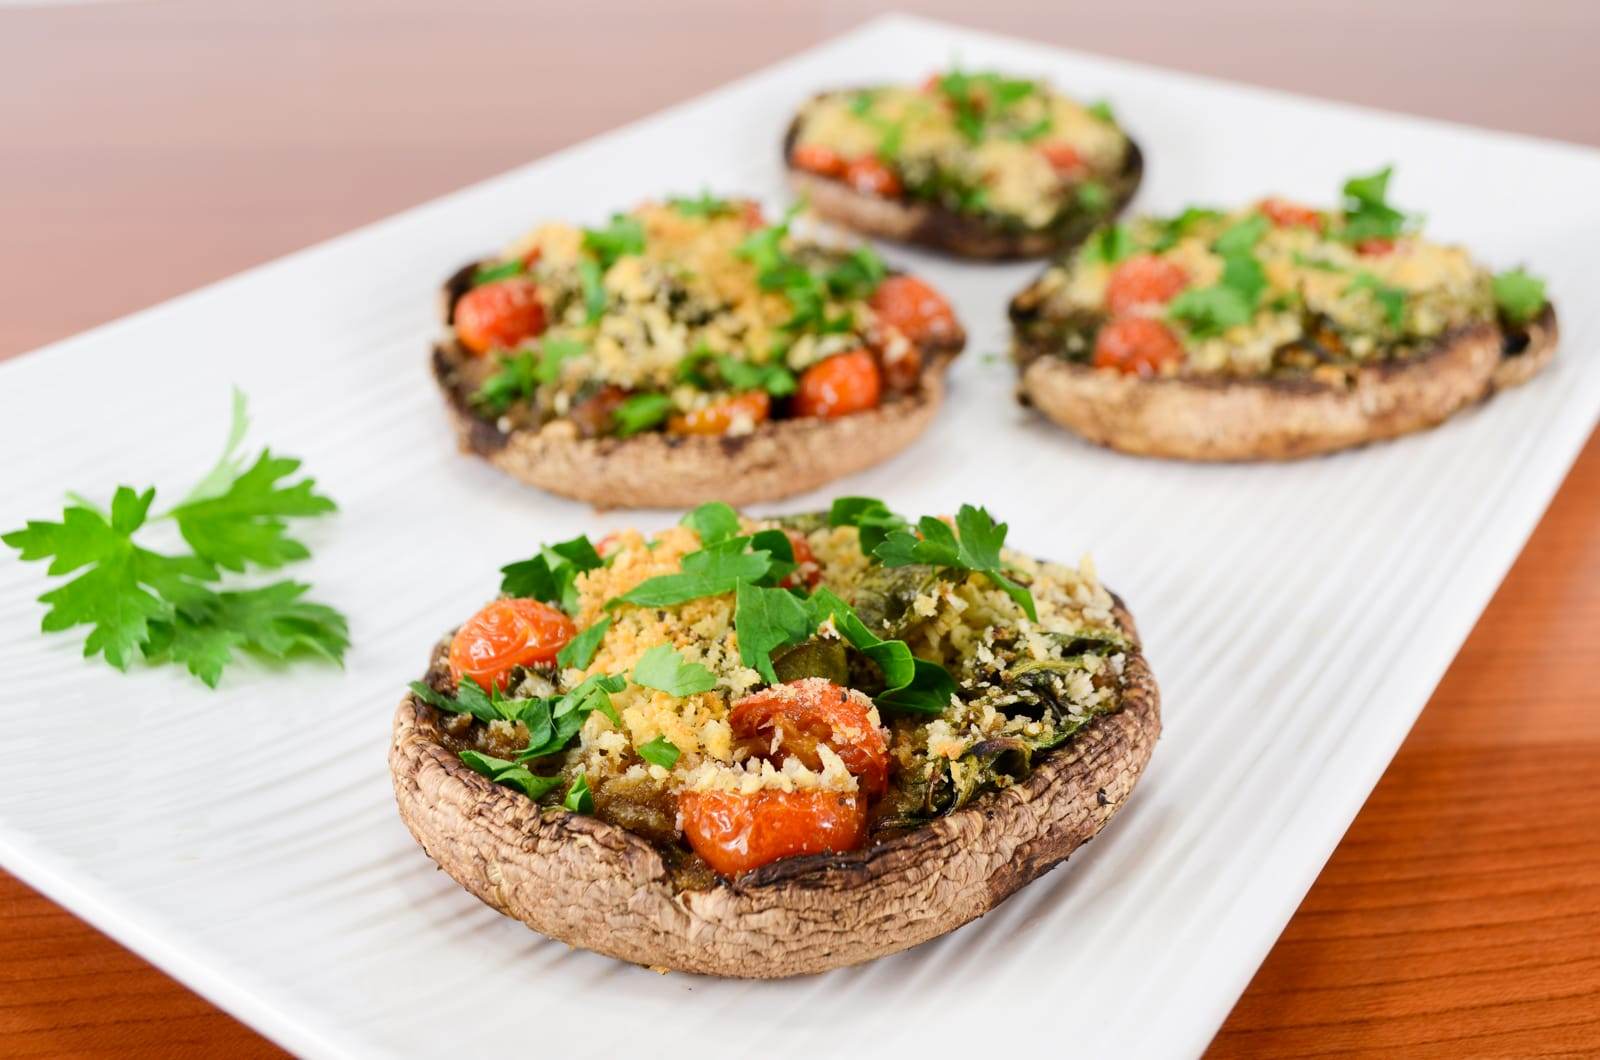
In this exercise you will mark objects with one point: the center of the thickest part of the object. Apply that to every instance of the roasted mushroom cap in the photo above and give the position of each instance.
(932, 225)
(1280, 419)
(593, 884)
(778, 459)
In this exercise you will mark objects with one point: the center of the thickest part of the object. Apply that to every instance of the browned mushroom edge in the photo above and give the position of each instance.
(932, 225)
(1216, 418)
(592, 884)
(654, 469)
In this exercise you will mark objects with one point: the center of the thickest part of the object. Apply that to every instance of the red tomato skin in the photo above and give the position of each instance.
(1063, 158)
(736, 833)
(808, 571)
(843, 384)
(1375, 247)
(913, 308)
(1136, 346)
(1144, 280)
(499, 315)
(506, 634)
(871, 177)
(815, 711)
(720, 416)
(823, 161)
(1286, 214)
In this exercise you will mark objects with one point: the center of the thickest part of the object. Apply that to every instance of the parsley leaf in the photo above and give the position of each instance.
(662, 668)
(591, 277)
(640, 412)
(1102, 109)
(910, 684)
(624, 235)
(974, 545)
(503, 271)
(703, 205)
(515, 380)
(1178, 227)
(1210, 310)
(579, 798)
(244, 523)
(551, 575)
(552, 723)
(1392, 299)
(660, 752)
(871, 517)
(858, 275)
(471, 698)
(1109, 245)
(1367, 213)
(579, 651)
(164, 608)
(767, 619)
(708, 572)
(511, 774)
(1093, 196)
(714, 521)
(806, 292)
(1519, 295)
(272, 622)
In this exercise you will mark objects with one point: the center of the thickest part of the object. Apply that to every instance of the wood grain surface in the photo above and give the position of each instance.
(147, 148)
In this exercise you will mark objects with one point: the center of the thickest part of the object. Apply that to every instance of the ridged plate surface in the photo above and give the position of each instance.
(1297, 617)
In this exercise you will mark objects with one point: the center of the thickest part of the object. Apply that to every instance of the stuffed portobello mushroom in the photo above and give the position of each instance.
(977, 164)
(768, 747)
(689, 350)
(1272, 332)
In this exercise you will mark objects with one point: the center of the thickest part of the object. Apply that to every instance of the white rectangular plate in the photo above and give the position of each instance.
(1297, 617)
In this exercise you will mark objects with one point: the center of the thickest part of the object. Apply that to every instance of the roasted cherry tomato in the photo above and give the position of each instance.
(793, 718)
(1375, 247)
(1063, 158)
(736, 833)
(607, 544)
(814, 158)
(507, 634)
(498, 315)
(871, 177)
(720, 416)
(915, 310)
(1286, 214)
(842, 384)
(808, 571)
(1144, 280)
(1136, 345)
(750, 213)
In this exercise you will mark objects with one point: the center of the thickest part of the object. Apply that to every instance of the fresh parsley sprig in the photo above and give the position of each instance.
(551, 575)
(168, 608)
(1367, 212)
(1518, 295)
(974, 544)
(1232, 300)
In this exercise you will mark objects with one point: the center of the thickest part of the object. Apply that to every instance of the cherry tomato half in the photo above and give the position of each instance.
(1144, 280)
(1286, 214)
(797, 716)
(914, 309)
(842, 384)
(719, 417)
(1375, 247)
(814, 158)
(507, 634)
(1063, 158)
(808, 571)
(871, 177)
(736, 833)
(499, 315)
(1136, 345)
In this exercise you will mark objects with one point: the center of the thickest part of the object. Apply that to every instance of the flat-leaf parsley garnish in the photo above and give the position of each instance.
(164, 607)
(974, 544)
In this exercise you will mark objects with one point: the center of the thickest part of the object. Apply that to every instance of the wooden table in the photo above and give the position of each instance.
(149, 148)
